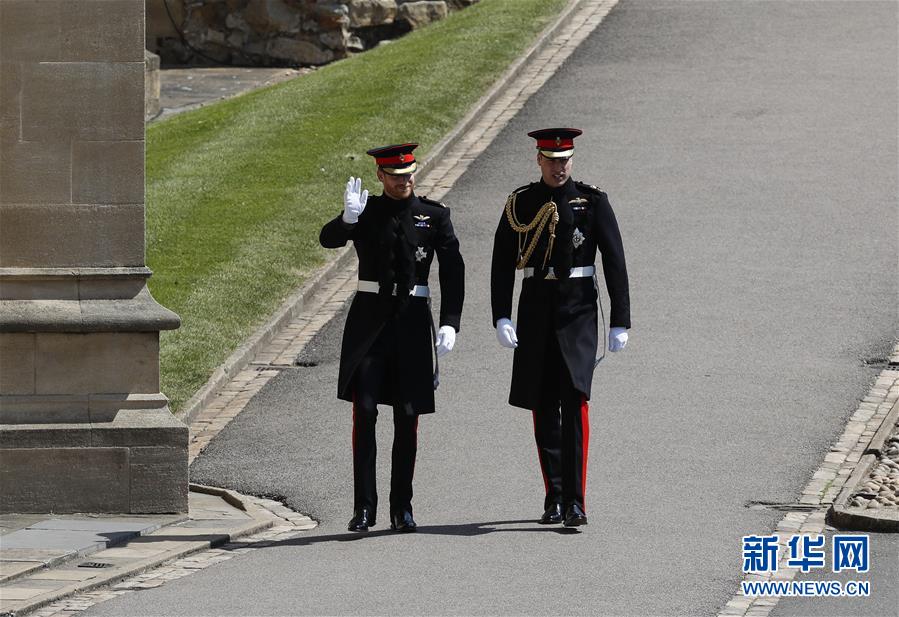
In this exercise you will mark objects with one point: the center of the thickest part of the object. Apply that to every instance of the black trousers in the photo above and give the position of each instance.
(377, 368)
(562, 433)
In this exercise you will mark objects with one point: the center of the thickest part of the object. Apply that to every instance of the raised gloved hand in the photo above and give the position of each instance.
(353, 200)
(446, 338)
(505, 333)
(617, 338)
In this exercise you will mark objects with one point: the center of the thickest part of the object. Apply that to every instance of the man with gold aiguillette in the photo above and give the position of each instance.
(551, 230)
(389, 337)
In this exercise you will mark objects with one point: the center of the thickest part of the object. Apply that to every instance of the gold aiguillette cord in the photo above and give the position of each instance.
(549, 212)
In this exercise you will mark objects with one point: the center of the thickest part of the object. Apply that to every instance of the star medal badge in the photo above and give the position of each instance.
(577, 238)
(420, 253)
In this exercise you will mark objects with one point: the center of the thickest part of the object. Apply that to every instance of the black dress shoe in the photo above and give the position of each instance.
(362, 520)
(574, 516)
(552, 515)
(402, 521)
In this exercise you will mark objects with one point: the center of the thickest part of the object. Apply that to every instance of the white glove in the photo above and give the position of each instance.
(505, 333)
(353, 201)
(617, 338)
(446, 338)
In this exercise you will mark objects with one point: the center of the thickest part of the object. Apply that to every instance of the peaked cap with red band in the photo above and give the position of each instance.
(555, 143)
(397, 159)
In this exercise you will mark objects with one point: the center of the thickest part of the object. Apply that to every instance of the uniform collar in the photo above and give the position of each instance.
(398, 205)
(558, 193)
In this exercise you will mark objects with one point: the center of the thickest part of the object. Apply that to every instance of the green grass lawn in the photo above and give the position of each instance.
(237, 191)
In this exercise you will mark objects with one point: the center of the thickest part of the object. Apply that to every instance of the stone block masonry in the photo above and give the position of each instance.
(83, 425)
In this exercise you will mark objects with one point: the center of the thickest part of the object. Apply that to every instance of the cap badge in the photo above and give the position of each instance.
(558, 141)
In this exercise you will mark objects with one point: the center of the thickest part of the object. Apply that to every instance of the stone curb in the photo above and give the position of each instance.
(294, 305)
(853, 518)
(230, 497)
(262, 520)
(884, 432)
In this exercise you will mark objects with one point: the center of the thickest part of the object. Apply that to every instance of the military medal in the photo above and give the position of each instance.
(577, 238)
(420, 253)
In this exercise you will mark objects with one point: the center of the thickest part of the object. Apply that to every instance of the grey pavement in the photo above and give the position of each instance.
(884, 585)
(749, 150)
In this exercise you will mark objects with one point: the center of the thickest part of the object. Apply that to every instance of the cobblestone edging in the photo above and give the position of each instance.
(841, 468)
(277, 344)
(290, 525)
(870, 499)
(881, 490)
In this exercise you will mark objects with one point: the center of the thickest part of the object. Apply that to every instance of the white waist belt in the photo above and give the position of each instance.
(419, 291)
(578, 272)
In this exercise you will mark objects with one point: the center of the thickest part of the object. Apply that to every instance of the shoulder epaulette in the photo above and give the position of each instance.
(432, 202)
(521, 188)
(588, 188)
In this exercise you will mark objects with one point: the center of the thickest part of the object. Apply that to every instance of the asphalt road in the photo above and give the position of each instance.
(749, 149)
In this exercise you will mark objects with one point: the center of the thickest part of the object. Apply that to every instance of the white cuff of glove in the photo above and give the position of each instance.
(505, 333)
(446, 338)
(617, 338)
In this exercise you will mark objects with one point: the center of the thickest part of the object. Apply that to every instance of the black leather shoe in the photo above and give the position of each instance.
(362, 520)
(574, 516)
(402, 521)
(552, 515)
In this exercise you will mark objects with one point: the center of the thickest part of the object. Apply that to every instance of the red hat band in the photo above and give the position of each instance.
(400, 159)
(564, 143)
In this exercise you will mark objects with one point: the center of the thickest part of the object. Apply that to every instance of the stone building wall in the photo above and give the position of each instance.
(281, 32)
(83, 424)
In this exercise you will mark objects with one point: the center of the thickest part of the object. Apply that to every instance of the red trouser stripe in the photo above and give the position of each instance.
(540, 458)
(416, 447)
(585, 432)
(354, 432)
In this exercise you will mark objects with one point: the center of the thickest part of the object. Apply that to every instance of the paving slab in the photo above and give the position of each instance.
(13, 569)
(73, 541)
(105, 526)
(39, 555)
(56, 557)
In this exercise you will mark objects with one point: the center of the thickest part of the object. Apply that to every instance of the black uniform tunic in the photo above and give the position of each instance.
(421, 228)
(566, 308)
(557, 322)
(386, 354)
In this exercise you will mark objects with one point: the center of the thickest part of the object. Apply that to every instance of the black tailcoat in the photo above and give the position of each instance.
(565, 308)
(428, 230)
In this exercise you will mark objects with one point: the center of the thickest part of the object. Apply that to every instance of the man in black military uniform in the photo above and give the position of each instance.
(551, 230)
(386, 355)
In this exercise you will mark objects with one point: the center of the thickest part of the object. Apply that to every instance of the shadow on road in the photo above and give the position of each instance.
(467, 529)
